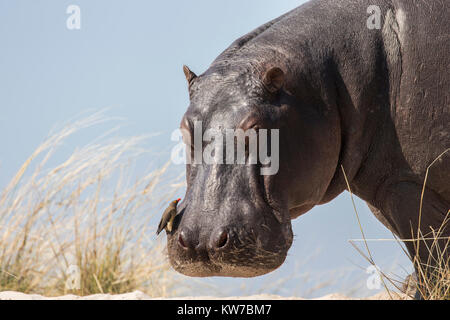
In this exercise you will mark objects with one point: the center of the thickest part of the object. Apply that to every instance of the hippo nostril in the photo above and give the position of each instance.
(181, 241)
(222, 241)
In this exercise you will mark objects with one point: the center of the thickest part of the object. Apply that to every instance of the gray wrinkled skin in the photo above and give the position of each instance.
(374, 101)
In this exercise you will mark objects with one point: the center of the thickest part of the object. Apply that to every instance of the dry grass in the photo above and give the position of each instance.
(84, 215)
(432, 278)
(433, 275)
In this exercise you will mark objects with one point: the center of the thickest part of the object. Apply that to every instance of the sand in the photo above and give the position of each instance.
(138, 295)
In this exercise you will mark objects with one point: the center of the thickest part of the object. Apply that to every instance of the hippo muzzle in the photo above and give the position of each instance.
(222, 231)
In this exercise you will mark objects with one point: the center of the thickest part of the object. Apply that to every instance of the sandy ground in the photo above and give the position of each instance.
(138, 295)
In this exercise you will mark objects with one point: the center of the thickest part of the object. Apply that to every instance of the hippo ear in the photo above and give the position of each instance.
(274, 79)
(189, 74)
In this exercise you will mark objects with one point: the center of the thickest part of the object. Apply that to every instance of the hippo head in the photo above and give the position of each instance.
(235, 217)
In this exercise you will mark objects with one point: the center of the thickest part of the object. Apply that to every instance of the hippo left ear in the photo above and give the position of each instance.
(273, 79)
(189, 74)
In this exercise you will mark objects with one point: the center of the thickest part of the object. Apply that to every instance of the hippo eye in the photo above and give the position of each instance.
(187, 140)
(186, 134)
(250, 124)
(186, 131)
(187, 137)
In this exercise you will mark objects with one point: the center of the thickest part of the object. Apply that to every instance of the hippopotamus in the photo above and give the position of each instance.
(369, 105)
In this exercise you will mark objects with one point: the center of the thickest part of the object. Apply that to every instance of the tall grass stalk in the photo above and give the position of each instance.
(85, 214)
(432, 279)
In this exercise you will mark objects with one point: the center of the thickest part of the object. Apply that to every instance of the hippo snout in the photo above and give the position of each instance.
(218, 241)
(212, 248)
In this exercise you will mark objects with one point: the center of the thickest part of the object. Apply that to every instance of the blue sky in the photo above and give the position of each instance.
(128, 56)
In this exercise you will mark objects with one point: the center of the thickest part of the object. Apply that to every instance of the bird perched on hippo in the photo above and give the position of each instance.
(372, 101)
(168, 217)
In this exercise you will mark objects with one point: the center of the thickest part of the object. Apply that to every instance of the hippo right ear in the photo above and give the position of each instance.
(189, 75)
(273, 79)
